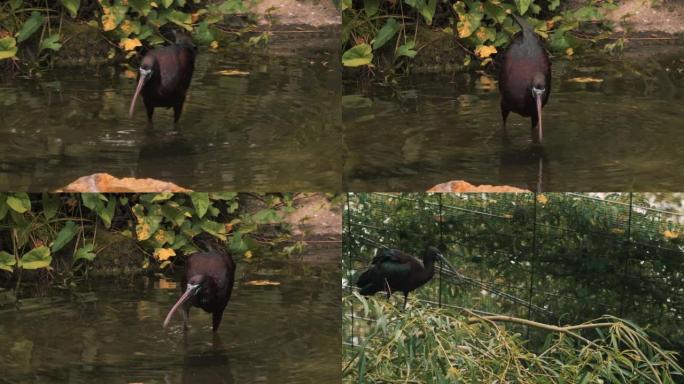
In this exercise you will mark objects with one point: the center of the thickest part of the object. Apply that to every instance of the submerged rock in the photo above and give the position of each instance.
(463, 186)
(104, 182)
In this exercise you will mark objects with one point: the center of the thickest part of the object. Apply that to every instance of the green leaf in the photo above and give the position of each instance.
(236, 243)
(7, 261)
(201, 203)
(71, 6)
(85, 252)
(371, 7)
(553, 4)
(64, 236)
(166, 3)
(213, 228)
(386, 33)
(161, 196)
(495, 11)
(30, 26)
(107, 214)
(142, 6)
(19, 202)
(407, 49)
(51, 43)
(203, 33)
(173, 213)
(468, 23)
(346, 4)
(15, 4)
(93, 201)
(181, 19)
(522, 5)
(223, 195)
(50, 205)
(8, 47)
(3, 206)
(36, 258)
(361, 54)
(427, 10)
(265, 216)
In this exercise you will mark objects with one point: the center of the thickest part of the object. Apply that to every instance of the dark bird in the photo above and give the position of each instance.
(525, 76)
(207, 284)
(164, 77)
(393, 270)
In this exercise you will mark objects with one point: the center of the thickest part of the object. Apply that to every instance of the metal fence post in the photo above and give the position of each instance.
(349, 266)
(441, 243)
(533, 261)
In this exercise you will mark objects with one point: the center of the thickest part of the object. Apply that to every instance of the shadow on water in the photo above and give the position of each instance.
(275, 126)
(111, 332)
(621, 132)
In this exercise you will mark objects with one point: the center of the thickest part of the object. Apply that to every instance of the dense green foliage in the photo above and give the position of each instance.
(481, 27)
(35, 230)
(572, 257)
(127, 24)
(425, 344)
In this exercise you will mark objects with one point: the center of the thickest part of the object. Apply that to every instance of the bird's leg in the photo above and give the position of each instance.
(150, 112)
(186, 315)
(405, 299)
(177, 109)
(389, 290)
(535, 128)
(504, 115)
(216, 320)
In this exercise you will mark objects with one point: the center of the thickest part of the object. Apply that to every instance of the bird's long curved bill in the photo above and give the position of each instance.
(448, 264)
(538, 99)
(141, 83)
(189, 291)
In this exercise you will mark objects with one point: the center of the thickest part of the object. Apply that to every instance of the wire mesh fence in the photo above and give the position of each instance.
(556, 257)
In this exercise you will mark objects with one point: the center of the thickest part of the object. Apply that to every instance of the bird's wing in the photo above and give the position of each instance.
(392, 262)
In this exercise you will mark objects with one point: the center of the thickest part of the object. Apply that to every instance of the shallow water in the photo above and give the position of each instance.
(273, 129)
(112, 332)
(623, 133)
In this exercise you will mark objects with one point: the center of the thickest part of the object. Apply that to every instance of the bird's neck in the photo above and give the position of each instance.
(428, 268)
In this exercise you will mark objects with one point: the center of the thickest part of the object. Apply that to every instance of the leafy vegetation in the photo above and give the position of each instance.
(551, 258)
(37, 26)
(425, 344)
(62, 232)
(373, 28)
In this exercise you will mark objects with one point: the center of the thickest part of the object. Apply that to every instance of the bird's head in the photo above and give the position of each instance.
(192, 289)
(148, 68)
(539, 88)
(433, 253)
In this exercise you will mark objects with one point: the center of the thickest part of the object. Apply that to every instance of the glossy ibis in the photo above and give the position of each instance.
(207, 284)
(525, 76)
(164, 77)
(394, 270)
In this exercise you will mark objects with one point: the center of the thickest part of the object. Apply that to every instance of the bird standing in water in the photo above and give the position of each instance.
(164, 77)
(207, 284)
(525, 77)
(393, 270)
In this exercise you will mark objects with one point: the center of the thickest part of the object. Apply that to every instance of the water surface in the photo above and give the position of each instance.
(111, 332)
(271, 129)
(622, 133)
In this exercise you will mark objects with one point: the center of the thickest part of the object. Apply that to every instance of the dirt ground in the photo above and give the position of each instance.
(316, 218)
(317, 13)
(666, 16)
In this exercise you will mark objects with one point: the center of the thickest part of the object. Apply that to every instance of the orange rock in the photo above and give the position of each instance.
(463, 186)
(104, 182)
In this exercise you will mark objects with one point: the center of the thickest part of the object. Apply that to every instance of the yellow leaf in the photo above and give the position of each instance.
(229, 227)
(671, 234)
(569, 51)
(160, 236)
(232, 72)
(262, 282)
(484, 51)
(108, 22)
(585, 80)
(162, 254)
(143, 231)
(618, 231)
(214, 44)
(248, 254)
(541, 199)
(126, 27)
(129, 44)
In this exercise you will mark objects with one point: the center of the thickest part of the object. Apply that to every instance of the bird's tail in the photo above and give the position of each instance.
(524, 25)
(367, 283)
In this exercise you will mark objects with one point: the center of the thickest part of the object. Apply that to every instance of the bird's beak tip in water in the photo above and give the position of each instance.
(144, 76)
(538, 99)
(190, 291)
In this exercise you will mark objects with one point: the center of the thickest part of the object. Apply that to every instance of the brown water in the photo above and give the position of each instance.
(623, 133)
(273, 129)
(111, 332)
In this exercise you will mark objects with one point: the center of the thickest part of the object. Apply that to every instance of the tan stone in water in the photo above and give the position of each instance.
(104, 182)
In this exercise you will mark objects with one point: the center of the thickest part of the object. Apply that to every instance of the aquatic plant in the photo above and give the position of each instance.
(373, 28)
(36, 230)
(426, 344)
